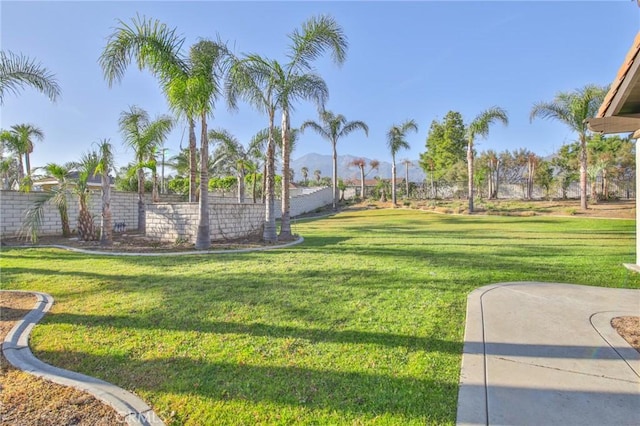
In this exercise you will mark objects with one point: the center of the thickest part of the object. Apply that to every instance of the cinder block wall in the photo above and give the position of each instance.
(172, 222)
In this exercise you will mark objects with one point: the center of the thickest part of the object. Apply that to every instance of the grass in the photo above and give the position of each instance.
(362, 324)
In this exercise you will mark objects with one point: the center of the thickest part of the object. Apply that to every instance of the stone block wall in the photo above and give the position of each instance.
(179, 221)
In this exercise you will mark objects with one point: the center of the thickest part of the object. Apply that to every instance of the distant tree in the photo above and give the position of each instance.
(445, 145)
(396, 140)
(18, 71)
(480, 127)
(544, 176)
(19, 140)
(332, 128)
(305, 173)
(567, 164)
(317, 173)
(573, 109)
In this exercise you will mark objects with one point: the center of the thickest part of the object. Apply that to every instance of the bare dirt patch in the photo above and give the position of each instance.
(629, 329)
(29, 400)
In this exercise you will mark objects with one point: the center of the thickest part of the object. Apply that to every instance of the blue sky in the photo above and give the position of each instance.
(405, 60)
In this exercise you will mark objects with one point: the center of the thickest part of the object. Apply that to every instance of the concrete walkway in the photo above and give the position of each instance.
(546, 354)
(16, 349)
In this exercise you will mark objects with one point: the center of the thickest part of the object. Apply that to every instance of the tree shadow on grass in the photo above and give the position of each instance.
(364, 394)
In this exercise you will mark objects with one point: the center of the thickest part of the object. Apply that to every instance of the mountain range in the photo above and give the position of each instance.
(347, 171)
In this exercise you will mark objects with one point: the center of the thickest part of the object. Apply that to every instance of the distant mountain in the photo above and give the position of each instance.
(346, 171)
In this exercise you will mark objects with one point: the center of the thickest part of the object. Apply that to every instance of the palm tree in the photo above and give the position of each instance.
(19, 139)
(360, 163)
(304, 171)
(317, 173)
(105, 164)
(480, 127)
(395, 142)
(233, 156)
(58, 196)
(27, 134)
(143, 135)
(18, 71)
(573, 109)
(332, 128)
(86, 168)
(191, 86)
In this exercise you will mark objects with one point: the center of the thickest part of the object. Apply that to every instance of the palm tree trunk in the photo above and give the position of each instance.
(203, 238)
(27, 163)
(497, 188)
(334, 176)
(86, 228)
(106, 227)
(285, 220)
(253, 189)
(470, 171)
(193, 164)
(263, 196)
(406, 178)
(154, 191)
(362, 195)
(64, 218)
(583, 172)
(241, 185)
(269, 234)
(142, 223)
(393, 181)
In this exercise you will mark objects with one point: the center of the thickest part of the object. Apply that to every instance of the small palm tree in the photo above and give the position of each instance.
(396, 140)
(480, 127)
(18, 71)
(86, 168)
(57, 196)
(333, 127)
(233, 155)
(304, 171)
(317, 174)
(573, 109)
(144, 136)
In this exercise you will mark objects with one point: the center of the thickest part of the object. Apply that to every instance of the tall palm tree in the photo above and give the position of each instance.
(316, 36)
(252, 79)
(317, 174)
(18, 71)
(105, 164)
(268, 85)
(480, 127)
(191, 86)
(573, 109)
(143, 135)
(333, 127)
(305, 173)
(396, 140)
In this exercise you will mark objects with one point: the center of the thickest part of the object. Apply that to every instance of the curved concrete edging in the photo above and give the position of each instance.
(175, 253)
(16, 350)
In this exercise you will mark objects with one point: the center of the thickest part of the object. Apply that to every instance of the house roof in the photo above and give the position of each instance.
(620, 110)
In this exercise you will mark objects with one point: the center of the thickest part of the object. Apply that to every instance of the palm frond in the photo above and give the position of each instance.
(18, 71)
(317, 35)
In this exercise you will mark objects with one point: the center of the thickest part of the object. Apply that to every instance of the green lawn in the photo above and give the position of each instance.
(361, 324)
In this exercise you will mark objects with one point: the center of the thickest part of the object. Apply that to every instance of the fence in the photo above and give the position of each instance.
(615, 188)
(124, 208)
